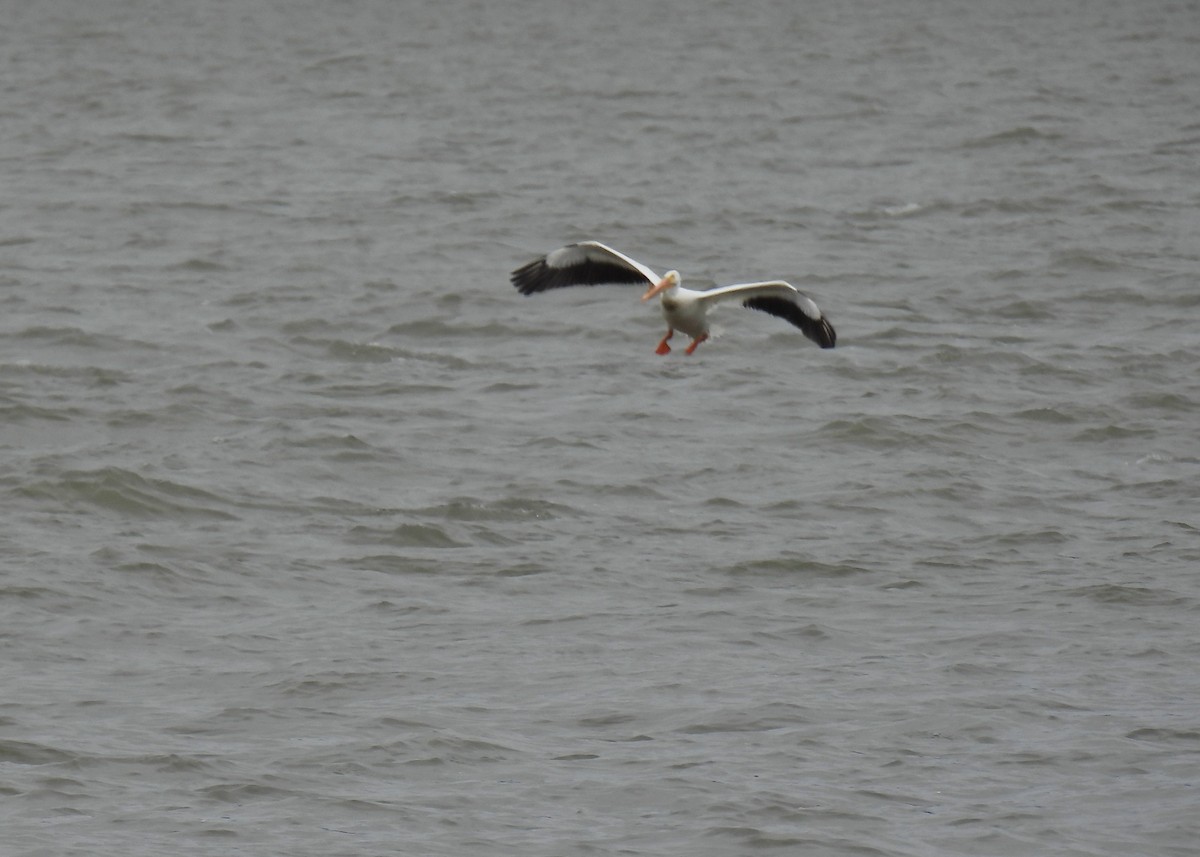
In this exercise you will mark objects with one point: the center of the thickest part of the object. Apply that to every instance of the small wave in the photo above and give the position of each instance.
(759, 718)
(523, 569)
(348, 351)
(1021, 538)
(1020, 135)
(905, 210)
(462, 749)
(205, 266)
(74, 336)
(793, 565)
(1045, 415)
(337, 446)
(145, 137)
(1027, 310)
(877, 433)
(1138, 596)
(1111, 432)
(438, 329)
(29, 753)
(19, 413)
(241, 793)
(406, 535)
(395, 564)
(1161, 400)
(1186, 737)
(122, 491)
(1080, 259)
(506, 509)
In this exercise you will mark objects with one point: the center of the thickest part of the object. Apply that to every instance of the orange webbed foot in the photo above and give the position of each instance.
(701, 338)
(663, 348)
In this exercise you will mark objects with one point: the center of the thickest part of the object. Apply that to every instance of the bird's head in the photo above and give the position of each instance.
(668, 282)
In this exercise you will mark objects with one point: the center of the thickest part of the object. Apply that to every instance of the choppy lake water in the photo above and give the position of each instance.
(318, 539)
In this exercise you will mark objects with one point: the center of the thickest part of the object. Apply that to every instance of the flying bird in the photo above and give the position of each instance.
(590, 263)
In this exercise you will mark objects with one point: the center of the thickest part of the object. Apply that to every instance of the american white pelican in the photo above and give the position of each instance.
(591, 263)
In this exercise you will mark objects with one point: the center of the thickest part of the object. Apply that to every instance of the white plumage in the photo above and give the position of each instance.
(590, 263)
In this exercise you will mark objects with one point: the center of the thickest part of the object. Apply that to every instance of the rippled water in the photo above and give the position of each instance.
(320, 540)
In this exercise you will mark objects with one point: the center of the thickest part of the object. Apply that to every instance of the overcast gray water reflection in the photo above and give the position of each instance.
(318, 539)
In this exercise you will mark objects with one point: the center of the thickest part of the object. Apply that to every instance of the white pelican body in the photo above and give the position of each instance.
(591, 263)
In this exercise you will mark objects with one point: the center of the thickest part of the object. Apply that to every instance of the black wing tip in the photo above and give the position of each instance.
(532, 278)
(819, 330)
(826, 336)
(540, 276)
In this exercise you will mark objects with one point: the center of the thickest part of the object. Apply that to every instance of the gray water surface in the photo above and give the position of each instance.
(319, 539)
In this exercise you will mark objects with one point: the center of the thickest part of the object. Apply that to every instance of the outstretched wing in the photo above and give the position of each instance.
(588, 263)
(783, 300)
